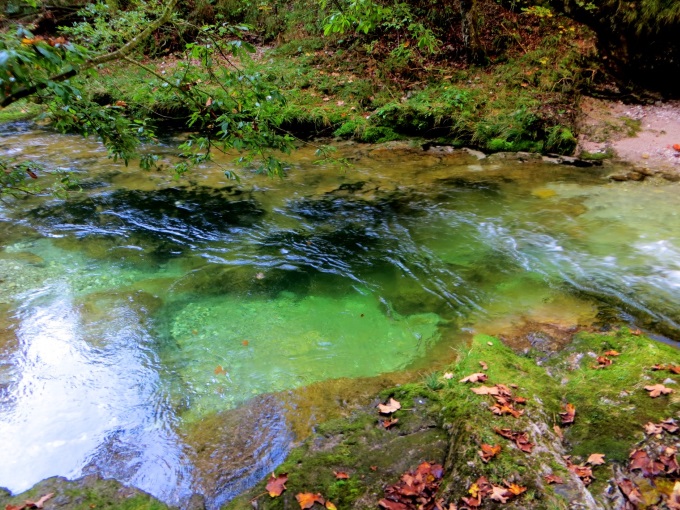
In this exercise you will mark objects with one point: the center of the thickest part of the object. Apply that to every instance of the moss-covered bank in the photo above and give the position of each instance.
(442, 420)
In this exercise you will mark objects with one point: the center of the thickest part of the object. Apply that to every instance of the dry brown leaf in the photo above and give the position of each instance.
(488, 452)
(341, 475)
(276, 484)
(390, 407)
(485, 390)
(568, 414)
(657, 390)
(630, 491)
(611, 353)
(653, 429)
(483, 365)
(389, 423)
(596, 459)
(499, 494)
(553, 479)
(477, 377)
(307, 499)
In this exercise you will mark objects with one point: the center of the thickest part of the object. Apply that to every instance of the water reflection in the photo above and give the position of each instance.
(86, 390)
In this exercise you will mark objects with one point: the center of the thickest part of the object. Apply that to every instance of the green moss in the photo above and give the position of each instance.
(379, 135)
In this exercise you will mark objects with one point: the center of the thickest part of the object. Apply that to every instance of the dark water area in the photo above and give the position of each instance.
(151, 326)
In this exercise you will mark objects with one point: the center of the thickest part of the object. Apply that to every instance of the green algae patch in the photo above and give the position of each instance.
(231, 348)
(85, 494)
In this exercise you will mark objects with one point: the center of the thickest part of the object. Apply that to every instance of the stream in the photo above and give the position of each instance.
(181, 335)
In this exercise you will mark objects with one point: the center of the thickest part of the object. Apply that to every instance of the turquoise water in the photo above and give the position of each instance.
(143, 309)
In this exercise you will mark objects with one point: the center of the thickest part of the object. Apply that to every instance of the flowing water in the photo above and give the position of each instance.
(170, 333)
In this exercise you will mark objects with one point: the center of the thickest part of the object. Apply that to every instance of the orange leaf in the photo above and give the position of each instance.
(219, 369)
(676, 146)
(486, 390)
(488, 452)
(388, 423)
(568, 414)
(596, 459)
(611, 353)
(391, 406)
(657, 390)
(307, 499)
(341, 475)
(331, 506)
(245, 343)
(478, 377)
(277, 484)
(552, 479)
(516, 489)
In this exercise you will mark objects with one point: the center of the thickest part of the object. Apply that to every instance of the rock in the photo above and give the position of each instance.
(85, 493)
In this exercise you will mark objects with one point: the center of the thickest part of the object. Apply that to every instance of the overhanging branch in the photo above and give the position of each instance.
(101, 59)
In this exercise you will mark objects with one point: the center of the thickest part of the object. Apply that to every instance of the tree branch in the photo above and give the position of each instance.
(101, 59)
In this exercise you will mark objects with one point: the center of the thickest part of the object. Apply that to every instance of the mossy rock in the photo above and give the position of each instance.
(85, 494)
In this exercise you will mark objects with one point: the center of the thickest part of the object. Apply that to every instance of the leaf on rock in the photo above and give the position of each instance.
(276, 484)
(568, 414)
(652, 429)
(414, 489)
(488, 452)
(341, 475)
(657, 390)
(390, 407)
(596, 459)
(485, 390)
(307, 499)
(583, 472)
(473, 378)
(630, 491)
(521, 439)
(553, 479)
(515, 489)
(389, 423)
(499, 494)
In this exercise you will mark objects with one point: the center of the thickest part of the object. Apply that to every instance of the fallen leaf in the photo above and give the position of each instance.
(374, 468)
(596, 459)
(657, 390)
(639, 460)
(674, 498)
(612, 353)
(389, 423)
(568, 414)
(515, 489)
(501, 410)
(390, 407)
(331, 506)
(448, 375)
(603, 361)
(630, 491)
(341, 475)
(392, 505)
(245, 343)
(674, 368)
(276, 484)
(307, 499)
(40, 502)
(488, 452)
(477, 377)
(472, 502)
(340, 103)
(669, 426)
(521, 439)
(553, 479)
(653, 429)
(220, 370)
(485, 390)
(676, 146)
(499, 494)
(483, 365)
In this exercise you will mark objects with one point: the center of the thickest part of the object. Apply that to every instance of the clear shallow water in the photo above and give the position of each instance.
(144, 317)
